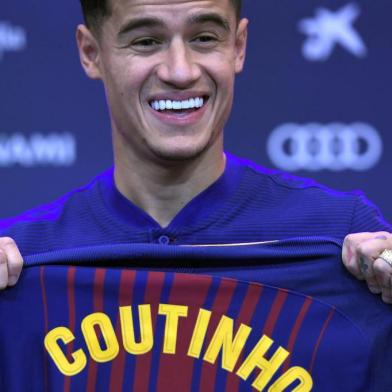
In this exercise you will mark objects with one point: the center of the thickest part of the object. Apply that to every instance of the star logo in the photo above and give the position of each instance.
(328, 29)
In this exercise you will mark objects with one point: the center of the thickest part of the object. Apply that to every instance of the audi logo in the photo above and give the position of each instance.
(318, 147)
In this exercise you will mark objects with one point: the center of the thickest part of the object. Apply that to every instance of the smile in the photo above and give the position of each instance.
(178, 106)
(180, 112)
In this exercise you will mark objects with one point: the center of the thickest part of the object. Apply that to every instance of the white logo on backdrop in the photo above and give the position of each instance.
(37, 150)
(327, 29)
(316, 147)
(12, 38)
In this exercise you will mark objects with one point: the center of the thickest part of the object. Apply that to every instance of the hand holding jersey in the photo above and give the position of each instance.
(11, 262)
(361, 256)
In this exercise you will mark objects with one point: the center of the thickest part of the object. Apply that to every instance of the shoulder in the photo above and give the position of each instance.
(38, 228)
(303, 198)
(287, 182)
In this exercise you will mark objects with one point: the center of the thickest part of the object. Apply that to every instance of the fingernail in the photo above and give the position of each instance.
(381, 237)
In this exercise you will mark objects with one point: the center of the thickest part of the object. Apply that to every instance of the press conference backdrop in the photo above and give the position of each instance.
(314, 99)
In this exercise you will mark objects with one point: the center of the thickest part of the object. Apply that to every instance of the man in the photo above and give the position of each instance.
(152, 63)
(168, 69)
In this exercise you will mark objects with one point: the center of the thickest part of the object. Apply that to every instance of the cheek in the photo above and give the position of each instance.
(127, 78)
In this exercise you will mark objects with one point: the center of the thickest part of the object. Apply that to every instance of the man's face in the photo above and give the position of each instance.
(168, 68)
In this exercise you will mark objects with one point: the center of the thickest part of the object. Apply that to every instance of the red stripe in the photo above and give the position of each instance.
(46, 323)
(175, 371)
(247, 311)
(71, 317)
(221, 305)
(294, 332)
(323, 329)
(143, 362)
(98, 307)
(274, 313)
(125, 299)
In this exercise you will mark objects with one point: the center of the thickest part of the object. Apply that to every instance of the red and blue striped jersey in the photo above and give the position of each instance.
(238, 317)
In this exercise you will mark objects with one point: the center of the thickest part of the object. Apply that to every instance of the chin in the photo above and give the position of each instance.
(179, 154)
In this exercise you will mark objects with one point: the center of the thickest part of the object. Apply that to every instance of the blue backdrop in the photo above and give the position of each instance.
(314, 98)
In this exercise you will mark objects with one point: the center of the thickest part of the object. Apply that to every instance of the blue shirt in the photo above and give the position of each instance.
(246, 204)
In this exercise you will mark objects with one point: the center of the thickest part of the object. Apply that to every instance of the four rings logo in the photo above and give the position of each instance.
(316, 147)
(12, 38)
(37, 150)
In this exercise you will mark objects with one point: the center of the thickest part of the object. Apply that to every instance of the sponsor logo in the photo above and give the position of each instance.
(318, 147)
(328, 29)
(37, 150)
(12, 38)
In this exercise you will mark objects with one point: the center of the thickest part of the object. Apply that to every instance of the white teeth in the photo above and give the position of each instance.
(177, 105)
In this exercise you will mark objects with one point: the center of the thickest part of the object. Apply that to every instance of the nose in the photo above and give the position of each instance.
(178, 67)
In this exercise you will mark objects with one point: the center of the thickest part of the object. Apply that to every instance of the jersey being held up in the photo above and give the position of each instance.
(238, 317)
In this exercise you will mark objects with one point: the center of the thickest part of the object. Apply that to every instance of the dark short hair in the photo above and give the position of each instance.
(95, 11)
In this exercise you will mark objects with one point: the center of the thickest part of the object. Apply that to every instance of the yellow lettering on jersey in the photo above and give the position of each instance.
(293, 374)
(59, 358)
(102, 321)
(199, 333)
(128, 331)
(223, 340)
(172, 313)
(256, 360)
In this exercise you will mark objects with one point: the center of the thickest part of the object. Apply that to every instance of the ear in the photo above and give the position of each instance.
(89, 51)
(240, 44)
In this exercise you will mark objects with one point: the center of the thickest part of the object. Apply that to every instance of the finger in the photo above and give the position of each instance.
(366, 266)
(367, 253)
(14, 259)
(383, 272)
(3, 270)
(350, 255)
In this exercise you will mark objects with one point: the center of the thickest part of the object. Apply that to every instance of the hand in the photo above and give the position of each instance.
(360, 255)
(11, 262)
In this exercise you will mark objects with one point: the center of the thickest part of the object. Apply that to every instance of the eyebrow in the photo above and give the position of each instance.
(210, 18)
(151, 22)
(140, 23)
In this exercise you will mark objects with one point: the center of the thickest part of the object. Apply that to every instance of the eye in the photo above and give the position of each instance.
(145, 43)
(205, 39)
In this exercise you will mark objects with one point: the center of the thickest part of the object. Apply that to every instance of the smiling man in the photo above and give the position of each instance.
(168, 68)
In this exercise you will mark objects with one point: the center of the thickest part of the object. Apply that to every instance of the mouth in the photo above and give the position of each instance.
(179, 108)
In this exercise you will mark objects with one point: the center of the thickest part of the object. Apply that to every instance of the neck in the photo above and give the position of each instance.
(163, 190)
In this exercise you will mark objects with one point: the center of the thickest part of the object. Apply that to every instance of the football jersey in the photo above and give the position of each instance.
(272, 316)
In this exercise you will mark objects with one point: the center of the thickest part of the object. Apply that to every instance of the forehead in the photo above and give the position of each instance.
(126, 8)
